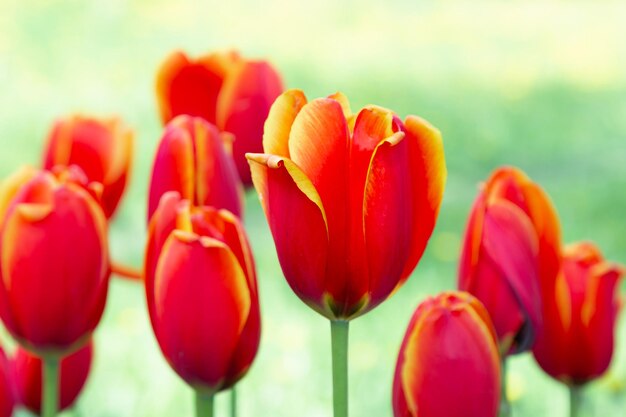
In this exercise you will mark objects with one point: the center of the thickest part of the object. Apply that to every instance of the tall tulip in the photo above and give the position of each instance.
(7, 397)
(351, 200)
(224, 88)
(448, 365)
(193, 159)
(54, 266)
(27, 370)
(577, 340)
(202, 295)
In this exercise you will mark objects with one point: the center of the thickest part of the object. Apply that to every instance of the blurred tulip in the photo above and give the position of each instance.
(102, 148)
(202, 293)
(351, 199)
(192, 159)
(28, 370)
(229, 91)
(7, 396)
(576, 343)
(448, 364)
(54, 261)
(511, 255)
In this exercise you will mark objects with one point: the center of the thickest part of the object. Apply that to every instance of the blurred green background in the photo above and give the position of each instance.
(537, 84)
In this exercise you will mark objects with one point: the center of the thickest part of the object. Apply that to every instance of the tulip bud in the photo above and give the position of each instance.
(54, 261)
(7, 396)
(193, 160)
(351, 200)
(227, 90)
(448, 364)
(102, 148)
(577, 340)
(202, 293)
(511, 255)
(28, 371)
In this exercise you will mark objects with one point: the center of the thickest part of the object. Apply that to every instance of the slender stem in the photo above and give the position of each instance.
(339, 342)
(204, 404)
(233, 402)
(505, 406)
(50, 394)
(574, 400)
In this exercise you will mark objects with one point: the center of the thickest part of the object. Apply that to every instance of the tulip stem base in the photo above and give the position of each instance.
(233, 402)
(204, 404)
(50, 391)
(339, 342)
(574, 400)
(505, 405)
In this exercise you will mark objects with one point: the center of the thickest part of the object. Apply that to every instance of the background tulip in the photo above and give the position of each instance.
(102, 148)
(193, 160)
(448, 365)
(7, 396)
(224, 88)
(27, 370)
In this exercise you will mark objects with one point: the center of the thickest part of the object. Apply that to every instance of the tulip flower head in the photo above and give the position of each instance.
(194, 160)
(202, 293)
(102, 148)
(576, 344)
(227, 90)
(7, 397)
(27, 370)
(511, 255)
(449, 365)
(54, 260)
(351, 199)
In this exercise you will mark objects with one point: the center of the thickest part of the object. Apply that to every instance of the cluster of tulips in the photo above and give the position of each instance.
(351, 200)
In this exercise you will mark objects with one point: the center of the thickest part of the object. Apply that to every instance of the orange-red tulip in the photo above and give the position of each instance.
(102, 148)
(7, 395)
(229, 91)
(27, 370)
(202, 293)
(54, 260)
(577, 340)
(511, 255)
(193, 160)
(448, 364)
(351, 199)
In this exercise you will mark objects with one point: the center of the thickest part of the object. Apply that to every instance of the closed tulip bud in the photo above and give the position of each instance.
(102, 148)
(54, 258)
(193, 160)
(448, 364)
(577, 340)
(202, 293)
(351, 199)
(511, 255)
(7, 395)
(224, 88)
(27, 370)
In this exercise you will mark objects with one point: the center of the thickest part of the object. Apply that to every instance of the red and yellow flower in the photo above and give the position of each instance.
(7, 396)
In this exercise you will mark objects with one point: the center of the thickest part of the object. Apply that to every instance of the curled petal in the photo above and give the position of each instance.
(279, 121)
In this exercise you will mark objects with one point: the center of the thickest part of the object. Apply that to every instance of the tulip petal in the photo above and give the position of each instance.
(279, 121)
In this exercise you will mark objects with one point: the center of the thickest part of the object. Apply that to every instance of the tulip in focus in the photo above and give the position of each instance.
(28, 370)
(229, 91)
(7, 397)
(102, 148)
(449, 365)
(193, 159)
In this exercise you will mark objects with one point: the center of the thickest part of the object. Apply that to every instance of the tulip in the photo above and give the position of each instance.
(193, 160)
(102, 148)
(28, 370)
(576, 344)
(229, 91)
(54, 265)
(7, 398)
(202, 295)
(351, 200)
(448, 365)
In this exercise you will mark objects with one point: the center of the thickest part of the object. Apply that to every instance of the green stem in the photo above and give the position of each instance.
(233, 402)
(50, 394)
(505, 406)
(204, 404)
(574, 400)
(339, 342)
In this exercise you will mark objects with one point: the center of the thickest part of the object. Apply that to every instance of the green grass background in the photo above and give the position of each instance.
(537, 84)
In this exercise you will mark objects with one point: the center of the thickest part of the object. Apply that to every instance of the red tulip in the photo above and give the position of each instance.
(193, 160)
(351, 200)
(577, 340)
(7, 397)
(102, 148)
(202, 293)
(28, 370)
(511, 255)
(448, 364)
(229, 91)
(54, 261)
